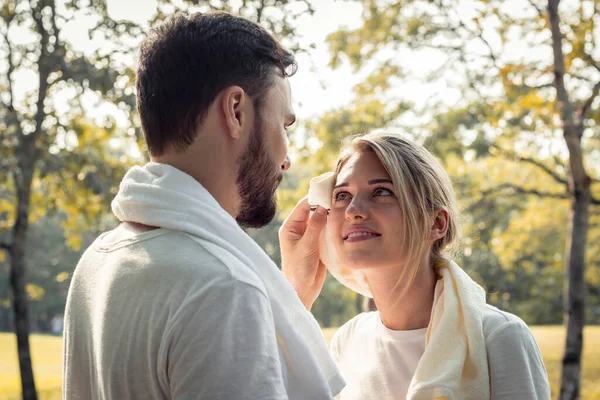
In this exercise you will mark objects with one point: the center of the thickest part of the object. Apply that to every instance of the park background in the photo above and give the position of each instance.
(504, 92)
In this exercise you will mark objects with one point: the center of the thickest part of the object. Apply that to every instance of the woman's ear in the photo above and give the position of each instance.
(439, 227)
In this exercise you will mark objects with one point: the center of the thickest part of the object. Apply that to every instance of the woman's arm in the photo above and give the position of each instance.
(300, 260)
(517, 370)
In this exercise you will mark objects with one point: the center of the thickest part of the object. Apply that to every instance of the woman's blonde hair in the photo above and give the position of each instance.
(422, 188)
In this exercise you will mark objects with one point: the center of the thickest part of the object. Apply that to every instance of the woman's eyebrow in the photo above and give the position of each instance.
(341, 185)
(383, 180)
(371, 182)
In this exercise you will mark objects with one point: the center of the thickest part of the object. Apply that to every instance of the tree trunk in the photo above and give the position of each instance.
(27, 154)
(574, 299)
(23, 178)
(579, 185)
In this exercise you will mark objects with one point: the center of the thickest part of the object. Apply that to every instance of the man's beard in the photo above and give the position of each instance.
(257, 180)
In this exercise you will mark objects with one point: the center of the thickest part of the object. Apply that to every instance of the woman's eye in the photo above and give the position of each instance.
(341, 196)
(382, 192)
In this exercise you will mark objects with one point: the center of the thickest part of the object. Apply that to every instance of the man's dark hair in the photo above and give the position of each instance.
(189, 59)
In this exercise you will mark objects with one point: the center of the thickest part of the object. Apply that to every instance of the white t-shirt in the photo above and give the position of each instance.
(157, 316)
(378, 363)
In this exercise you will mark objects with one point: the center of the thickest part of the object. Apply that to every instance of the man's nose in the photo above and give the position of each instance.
(286, 164)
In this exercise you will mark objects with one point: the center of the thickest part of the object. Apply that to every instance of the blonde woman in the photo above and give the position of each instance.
(384, 220)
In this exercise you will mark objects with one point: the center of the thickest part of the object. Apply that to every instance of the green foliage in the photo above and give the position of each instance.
(50, 265)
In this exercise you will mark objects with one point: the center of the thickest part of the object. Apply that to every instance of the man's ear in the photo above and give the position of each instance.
(234, 103)
(439, 227)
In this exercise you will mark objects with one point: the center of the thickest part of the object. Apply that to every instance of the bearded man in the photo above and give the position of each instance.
(178, 302)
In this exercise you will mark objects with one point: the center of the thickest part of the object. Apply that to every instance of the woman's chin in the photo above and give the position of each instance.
(360, 260)
(369, 260)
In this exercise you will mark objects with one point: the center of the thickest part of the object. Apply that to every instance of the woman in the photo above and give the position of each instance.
(392, 216)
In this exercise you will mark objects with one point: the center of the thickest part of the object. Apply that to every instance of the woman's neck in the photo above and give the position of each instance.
(413, 310)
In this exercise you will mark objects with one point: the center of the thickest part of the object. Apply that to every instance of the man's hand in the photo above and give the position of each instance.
(299, 241)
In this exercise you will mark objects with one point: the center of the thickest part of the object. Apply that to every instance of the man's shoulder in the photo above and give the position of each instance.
(223, 262)
(178, 255)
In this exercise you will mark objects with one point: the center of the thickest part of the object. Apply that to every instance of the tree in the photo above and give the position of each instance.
(51, 159)
(523, 84)
(50, 265)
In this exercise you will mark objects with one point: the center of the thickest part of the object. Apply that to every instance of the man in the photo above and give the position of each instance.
(178, 302)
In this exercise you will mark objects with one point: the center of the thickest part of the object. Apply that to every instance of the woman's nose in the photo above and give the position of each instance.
(358, 208)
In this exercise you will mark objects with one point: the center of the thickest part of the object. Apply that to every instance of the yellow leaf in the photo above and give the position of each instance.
(34, 292)
(74, 242)
(63, 276)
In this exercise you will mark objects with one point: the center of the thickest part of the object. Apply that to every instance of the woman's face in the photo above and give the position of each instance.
(365, 220)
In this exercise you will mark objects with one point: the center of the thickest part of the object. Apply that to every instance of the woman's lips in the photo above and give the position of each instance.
(359, 234)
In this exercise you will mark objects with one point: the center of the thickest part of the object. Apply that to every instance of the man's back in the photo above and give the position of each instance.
(161, 316)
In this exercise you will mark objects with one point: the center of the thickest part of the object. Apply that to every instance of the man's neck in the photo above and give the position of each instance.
(208, 170)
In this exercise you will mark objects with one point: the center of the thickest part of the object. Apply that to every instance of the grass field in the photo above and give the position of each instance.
(47, 353)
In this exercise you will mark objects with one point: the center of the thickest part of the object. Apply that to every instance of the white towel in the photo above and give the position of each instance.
(454, 365)
(163, 196)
